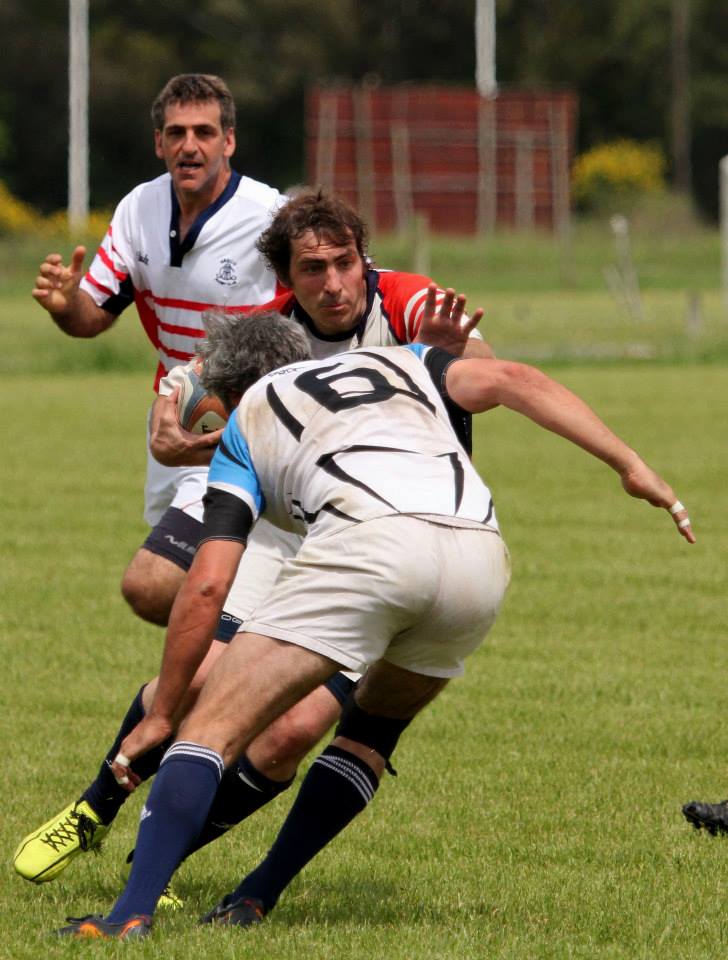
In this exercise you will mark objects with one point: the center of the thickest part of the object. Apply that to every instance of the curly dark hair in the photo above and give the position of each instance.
(327, 217)
(195, 88)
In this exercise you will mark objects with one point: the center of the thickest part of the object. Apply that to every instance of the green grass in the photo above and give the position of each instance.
(546, 327)
(510, 262)
(544, 300)
(536, 812)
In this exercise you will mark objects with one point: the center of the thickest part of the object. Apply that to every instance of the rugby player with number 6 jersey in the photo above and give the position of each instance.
(359, 454)
(317, 246)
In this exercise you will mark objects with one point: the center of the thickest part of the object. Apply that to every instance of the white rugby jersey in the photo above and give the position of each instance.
(324, 444)
(141, 259)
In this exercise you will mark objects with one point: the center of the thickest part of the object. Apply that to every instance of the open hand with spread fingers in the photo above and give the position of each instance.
(446, 325)
(56, 285)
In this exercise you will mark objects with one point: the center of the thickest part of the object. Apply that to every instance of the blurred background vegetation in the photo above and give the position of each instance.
(637, 276)
(546, 300)
(622, 58)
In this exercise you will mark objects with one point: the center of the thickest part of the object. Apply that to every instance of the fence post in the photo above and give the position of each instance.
(364, 155)
(724, 225)
(326, 139)
(421, 256)
(401, 160)
(487, 212)
(622, 279)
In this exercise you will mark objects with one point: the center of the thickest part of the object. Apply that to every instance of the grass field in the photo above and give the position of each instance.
(536, 812)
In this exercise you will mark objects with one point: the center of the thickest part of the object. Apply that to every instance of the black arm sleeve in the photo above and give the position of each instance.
(118, 302)
(436, 362)
(226, 517)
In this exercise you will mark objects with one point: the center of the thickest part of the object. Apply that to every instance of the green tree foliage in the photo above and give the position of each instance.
(34, 79)
(402, 40)
(615, 53)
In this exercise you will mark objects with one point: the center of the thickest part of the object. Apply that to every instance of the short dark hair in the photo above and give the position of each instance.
(241, 348)
(326, 216)
(195, 88)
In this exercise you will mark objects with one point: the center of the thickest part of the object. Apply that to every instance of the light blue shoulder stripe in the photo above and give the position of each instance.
(232, 465)
(419, 349)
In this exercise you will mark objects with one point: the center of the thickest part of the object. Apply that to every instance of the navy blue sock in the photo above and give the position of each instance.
(171, 820)
(105, 795)
(242, 791)
(336, 788)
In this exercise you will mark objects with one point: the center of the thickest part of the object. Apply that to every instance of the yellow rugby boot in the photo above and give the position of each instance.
(43, 854)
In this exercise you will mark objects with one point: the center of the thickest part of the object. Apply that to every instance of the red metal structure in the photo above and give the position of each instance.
(467, 162)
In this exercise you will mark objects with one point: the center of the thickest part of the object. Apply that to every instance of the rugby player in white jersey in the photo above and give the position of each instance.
(358, 454)
(177, 245)
(317, 247)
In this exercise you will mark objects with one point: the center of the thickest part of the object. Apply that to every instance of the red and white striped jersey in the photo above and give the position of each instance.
(395, 304)
(142, 260)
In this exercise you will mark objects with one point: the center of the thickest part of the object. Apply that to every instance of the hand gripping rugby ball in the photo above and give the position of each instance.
(198, 411)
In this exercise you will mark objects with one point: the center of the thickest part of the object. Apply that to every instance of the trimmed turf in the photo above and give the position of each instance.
(536, 812)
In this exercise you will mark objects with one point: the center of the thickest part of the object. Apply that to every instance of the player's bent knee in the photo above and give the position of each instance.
(149, 585)
(146, 604)
(291, 737)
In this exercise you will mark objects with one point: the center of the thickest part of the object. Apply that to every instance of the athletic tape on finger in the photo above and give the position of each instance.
(122, 781)
(684, 523)
(122, 760)
(676, 507)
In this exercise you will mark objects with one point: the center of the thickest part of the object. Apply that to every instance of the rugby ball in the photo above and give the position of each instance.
(197, 410)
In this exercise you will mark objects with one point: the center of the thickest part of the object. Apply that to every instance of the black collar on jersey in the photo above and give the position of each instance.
(371, 279)
(177, 250)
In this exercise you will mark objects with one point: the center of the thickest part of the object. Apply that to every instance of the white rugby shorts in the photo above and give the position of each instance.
(267, 549)
(415, 593)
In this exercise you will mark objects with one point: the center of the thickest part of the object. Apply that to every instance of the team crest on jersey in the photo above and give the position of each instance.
(226, 274)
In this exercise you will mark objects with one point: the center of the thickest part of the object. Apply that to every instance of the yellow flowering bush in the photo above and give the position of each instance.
(16, 216)
(617, 173)
(97, 224)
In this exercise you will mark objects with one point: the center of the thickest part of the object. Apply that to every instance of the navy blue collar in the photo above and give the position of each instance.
(371, 280)
(177, 250)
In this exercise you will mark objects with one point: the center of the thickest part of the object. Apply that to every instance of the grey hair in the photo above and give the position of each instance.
(241, 348)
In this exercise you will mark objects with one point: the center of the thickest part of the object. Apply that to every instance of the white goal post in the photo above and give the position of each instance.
(724, 225)
(485, 48)
(78, 113)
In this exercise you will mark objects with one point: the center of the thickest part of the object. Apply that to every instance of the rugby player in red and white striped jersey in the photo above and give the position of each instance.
(176, 246)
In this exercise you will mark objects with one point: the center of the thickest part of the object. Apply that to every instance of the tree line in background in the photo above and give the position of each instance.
(642, 70)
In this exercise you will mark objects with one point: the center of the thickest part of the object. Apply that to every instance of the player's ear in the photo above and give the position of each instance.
(158, 144)
(229, 148)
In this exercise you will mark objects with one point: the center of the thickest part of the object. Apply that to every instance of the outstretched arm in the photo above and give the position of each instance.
(57, 290)
(477, 385)
(192, 623)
